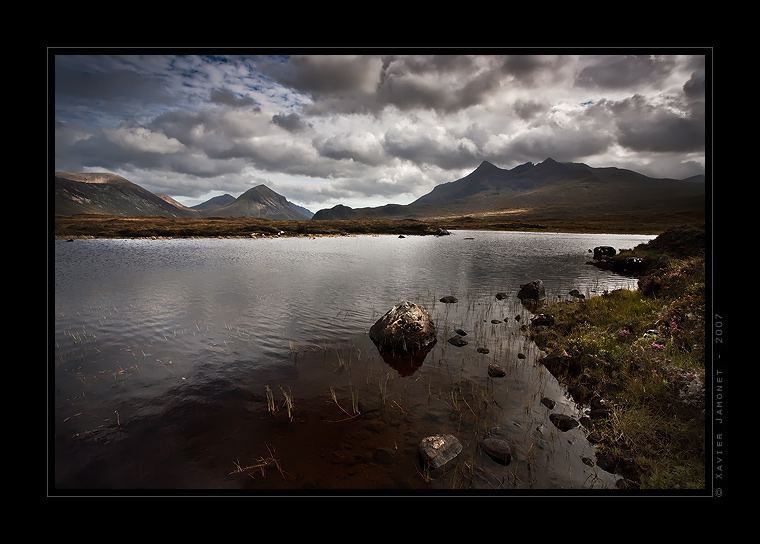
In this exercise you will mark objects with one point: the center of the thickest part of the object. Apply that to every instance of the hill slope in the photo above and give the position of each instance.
(216, 202)
(110, 194)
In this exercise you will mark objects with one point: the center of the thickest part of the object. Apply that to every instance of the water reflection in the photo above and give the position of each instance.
(161, 351)
(408, 363)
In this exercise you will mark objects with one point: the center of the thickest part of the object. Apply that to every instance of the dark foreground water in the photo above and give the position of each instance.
(213, 365)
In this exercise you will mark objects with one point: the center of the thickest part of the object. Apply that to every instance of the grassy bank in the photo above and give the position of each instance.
(637, 358)
(109, 226)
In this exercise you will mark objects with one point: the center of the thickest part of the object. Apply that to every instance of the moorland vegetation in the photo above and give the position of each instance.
(638, 358)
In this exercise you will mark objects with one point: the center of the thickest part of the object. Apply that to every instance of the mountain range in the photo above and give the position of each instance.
(110, 194)
(545, 190)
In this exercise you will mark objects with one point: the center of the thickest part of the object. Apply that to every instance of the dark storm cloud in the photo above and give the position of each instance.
(528, 109)
(291, 122)
(361, 147)
(446, 83)
(527, 69)
(695, 87)
(564, 145)
(228, 98)
(641, 126)
(329, 74)
(81, 79)
(620, 72)
(431, 147)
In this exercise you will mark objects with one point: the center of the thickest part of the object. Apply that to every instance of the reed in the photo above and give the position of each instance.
(354, 403)
(288, 402)
(260, 464)
(383, 386)
(271, 406)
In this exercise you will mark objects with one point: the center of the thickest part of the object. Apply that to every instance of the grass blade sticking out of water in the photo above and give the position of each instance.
(288, 402)
(271, 406)
(354, 404)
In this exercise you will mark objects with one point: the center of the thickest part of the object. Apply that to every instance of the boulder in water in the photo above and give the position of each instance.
(405, 328)
(533, 291)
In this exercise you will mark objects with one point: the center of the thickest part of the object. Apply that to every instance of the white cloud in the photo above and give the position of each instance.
(142, 140)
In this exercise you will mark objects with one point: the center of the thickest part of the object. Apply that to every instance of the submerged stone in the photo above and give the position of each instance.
(497, 449)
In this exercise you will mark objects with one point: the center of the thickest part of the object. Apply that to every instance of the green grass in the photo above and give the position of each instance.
(643, 352)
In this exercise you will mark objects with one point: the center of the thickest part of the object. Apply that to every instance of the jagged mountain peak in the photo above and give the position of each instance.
(485, 165)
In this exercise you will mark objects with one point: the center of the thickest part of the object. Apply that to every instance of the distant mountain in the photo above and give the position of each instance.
(260, 201)
(216, 202)
(548, 189)
(110, 194)
(106, 193)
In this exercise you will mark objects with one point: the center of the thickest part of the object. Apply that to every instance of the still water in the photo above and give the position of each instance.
(183, 365)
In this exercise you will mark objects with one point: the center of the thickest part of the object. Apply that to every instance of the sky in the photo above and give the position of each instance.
(370, 128)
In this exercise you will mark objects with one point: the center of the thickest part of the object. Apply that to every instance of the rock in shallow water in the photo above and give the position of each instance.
(405, 328)
(533, 291)
(563, 422)
(437, 450)
(497, 449)
(457, 341)
(496, 371)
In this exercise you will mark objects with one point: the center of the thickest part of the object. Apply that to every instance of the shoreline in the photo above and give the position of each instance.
(110, 226)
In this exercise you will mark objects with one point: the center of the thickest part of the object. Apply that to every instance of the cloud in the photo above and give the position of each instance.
(646, 126)
(360, 146)
(429, 143)
(292, 122)
(372, 128)
(626, 71)
(228, 98)
(142, 140)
